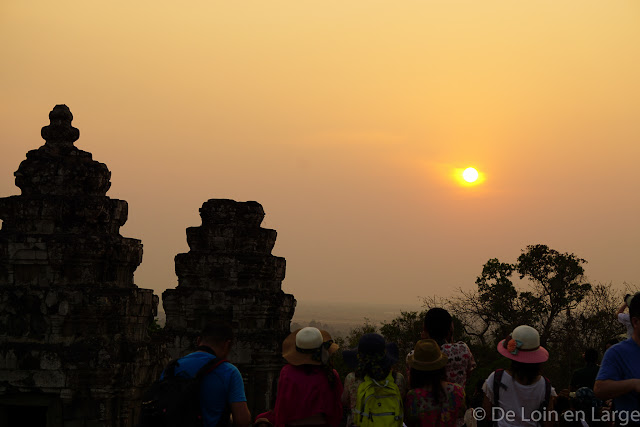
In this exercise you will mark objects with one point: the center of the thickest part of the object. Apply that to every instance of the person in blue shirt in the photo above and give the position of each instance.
(222, 389)
(619, 375)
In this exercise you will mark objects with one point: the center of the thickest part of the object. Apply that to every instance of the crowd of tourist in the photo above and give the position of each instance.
(431, 391)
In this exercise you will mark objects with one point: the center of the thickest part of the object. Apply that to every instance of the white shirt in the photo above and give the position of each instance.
(519, 403)
(625, 319)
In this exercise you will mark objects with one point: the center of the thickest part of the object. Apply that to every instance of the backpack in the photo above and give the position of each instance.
(174, 400)
(378, 403)
(497, 383)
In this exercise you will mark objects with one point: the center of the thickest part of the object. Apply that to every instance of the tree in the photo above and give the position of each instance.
(551, 295)
(405, 330)
(555, 285)
(558, 282)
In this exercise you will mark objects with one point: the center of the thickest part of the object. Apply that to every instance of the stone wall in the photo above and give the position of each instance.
(229, 274)
(74, 343)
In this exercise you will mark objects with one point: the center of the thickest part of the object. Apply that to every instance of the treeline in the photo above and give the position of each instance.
(550, 293)
(334, 330)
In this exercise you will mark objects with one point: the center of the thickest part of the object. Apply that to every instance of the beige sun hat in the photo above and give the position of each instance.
(427, 356)
(523, 345)
(308, 346)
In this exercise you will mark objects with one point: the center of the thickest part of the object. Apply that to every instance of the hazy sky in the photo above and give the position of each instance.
(346, 120)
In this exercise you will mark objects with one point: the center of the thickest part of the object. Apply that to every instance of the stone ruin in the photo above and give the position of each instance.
(229, 274)
(76, 347)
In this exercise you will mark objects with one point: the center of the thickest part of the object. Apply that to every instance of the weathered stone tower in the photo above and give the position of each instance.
(229, 274)
(74, 342)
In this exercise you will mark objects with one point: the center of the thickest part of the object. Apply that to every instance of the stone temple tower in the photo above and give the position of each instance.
(74, 328)
(229, 274)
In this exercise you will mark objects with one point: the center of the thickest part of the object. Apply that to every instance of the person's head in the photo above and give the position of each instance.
(438, 325)
(427, 366)
(634, 313)
(373, 357)
(591, 356)
(627, 299)
(523, 345)
(311, 349)
(308, 346)
(218, 336)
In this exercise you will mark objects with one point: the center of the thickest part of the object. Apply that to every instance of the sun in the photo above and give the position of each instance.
(470, 175)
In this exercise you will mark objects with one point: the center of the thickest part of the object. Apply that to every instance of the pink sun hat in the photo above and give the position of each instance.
(523, 345)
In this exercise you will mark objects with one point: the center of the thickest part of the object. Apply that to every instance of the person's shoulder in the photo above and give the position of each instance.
(543, 380)
(228, 366)
(287, 369)
(225, 370)
(198, 355)
(624, 349)
(629, 342)
(487, 385)
(461, 346)
(581, 371)
(619, 348)
(194, 359)
(398, 377)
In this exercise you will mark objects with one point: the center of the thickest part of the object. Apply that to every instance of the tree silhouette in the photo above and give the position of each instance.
(558, 281)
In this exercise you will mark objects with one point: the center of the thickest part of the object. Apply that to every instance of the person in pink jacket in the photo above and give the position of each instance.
(309, 389)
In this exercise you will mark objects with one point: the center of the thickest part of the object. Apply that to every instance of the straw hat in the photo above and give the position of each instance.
(523, 345)
(308, 346)
(427, 356)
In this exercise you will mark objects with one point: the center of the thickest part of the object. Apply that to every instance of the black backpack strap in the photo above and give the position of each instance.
(209, 367)
(544, 406)
(497, 383)
(170, 369)
(547, 392)
(206, 369)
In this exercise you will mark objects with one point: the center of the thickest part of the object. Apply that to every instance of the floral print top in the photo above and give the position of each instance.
(420, 409)
(460, 362)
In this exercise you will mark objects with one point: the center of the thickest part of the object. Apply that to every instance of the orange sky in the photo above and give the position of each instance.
(345, 119)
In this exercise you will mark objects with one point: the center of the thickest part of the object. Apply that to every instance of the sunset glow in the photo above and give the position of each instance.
(352, 123)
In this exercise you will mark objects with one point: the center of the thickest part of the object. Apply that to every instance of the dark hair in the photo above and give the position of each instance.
(591, 355)
(420, 379)
(437, 323)
(217, 332)
(326, 369)
(526, 373)
(373, 365)
(634, 308)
